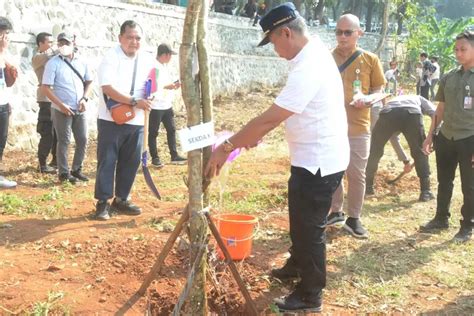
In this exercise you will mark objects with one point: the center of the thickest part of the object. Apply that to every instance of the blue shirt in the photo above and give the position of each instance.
(67, 85)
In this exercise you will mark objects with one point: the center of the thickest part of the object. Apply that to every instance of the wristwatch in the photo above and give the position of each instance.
(85, 99)
(227, 146)
(133, 102)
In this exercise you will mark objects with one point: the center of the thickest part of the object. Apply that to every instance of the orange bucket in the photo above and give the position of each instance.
(236, 231)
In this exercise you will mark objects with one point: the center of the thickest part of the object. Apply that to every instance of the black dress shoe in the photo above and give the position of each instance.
(157, 162)
(426, 195)
(296, 302)
(67, 177)
(79, 175)
(102, 210)
(125, 207)
(435, 224)
(288, 271)
(47, 169)
(464, 234)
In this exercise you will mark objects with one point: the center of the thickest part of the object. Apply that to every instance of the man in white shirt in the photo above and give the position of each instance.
(119, 146)
(162, 107)
(312, 106)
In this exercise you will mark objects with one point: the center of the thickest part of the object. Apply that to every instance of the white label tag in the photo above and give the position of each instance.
(196, 137)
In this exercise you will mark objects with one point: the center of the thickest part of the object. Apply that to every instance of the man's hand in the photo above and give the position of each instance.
(215, 163)
(144, 104)
(427, 146)
(66, 110)
(360, 104)
(359, 101)
(82, 105)
(408, 167)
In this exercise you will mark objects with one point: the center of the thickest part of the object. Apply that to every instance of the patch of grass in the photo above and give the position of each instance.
(16, 205)
(51, 305)
(23, 206)
(161, 224)
(54, 195)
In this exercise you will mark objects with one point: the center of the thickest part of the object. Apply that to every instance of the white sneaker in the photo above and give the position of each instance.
(6, 184)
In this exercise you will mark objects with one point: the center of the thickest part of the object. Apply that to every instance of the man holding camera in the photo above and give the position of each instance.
(48, 140)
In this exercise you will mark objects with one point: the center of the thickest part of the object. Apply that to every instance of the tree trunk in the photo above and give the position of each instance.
(196, 303)
(357, 10)
(298, 5)
(368, 18)
(349, 7)
(335, 8)
(383, 32)
(400, 16)
(206, 89)
(318, 11)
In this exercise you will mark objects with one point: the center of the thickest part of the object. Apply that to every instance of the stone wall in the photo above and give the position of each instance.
(236, 63)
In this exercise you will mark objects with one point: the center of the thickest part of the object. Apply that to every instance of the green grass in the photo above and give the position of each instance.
(49, 205)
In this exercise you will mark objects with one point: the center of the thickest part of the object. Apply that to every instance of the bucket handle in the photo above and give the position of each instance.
(257, 229)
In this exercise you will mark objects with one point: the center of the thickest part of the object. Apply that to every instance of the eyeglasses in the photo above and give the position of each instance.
(346, 33)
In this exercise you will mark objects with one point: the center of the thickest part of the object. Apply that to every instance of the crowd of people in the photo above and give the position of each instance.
(65, 84)
(333, 129)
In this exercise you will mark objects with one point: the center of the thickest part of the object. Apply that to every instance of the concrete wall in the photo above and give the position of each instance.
(236, 63)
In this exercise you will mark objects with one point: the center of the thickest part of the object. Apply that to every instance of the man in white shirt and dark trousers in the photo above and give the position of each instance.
(162, 107)
(119, 147)
(312, 106)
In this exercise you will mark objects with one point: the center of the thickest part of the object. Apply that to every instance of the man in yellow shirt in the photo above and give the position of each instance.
(362, 74)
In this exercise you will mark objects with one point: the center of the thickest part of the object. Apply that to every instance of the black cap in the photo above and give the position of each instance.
(278, 16)
(165, 49)
(66, 36)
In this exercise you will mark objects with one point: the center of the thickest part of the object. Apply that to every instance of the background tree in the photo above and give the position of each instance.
(386, 13)
(433, 36)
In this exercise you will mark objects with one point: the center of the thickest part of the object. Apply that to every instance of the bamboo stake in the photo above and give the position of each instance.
(164, 253)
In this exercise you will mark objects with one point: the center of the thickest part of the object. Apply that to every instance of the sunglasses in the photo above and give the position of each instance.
(346, 33)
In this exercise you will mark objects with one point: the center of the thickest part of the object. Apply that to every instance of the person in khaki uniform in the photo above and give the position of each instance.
(48, 140)
(363, 76)
(455, 142)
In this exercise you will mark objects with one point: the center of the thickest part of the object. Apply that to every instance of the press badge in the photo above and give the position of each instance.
(468, 98)
(467, 103)
(357, 84)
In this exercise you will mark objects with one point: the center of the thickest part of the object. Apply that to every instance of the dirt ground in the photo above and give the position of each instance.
(73, 264)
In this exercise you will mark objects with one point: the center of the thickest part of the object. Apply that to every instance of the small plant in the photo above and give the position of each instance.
(11, 203)
(50, 305)
(54, 195)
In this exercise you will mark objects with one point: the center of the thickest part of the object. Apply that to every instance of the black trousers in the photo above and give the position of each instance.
(450, 154)
(48, 140)
(4, 121)
(309, 201)
(118, 158)
(425, 91)
(156, 118)
(398, 120)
